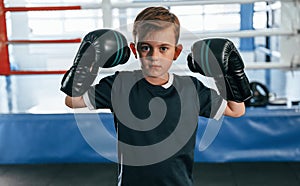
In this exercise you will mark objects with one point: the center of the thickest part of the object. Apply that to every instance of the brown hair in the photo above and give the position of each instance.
(155, 18)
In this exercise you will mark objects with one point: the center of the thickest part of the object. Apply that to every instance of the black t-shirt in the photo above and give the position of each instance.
(156, 125)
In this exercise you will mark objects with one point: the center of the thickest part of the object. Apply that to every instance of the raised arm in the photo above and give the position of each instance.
(103, 48)
(75, 102)
(218, 58)
(235, 109)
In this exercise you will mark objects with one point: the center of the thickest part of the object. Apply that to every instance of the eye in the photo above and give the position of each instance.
(163, 49)
(144, 48)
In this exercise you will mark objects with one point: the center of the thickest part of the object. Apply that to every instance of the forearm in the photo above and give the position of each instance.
(235, 109)
(75, 102)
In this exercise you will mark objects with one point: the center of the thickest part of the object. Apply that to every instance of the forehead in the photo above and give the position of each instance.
(163, 36)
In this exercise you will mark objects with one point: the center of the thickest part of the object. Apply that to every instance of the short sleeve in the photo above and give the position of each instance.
(212, 105)
(99, 95)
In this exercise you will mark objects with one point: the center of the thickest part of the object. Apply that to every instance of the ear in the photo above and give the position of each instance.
(178, 50)
(133, 49)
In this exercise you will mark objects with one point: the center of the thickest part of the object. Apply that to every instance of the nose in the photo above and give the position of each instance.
(154, 54)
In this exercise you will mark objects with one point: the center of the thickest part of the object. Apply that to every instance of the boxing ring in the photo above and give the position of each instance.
(263, 134)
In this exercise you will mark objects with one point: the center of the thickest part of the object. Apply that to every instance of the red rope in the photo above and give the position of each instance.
(49, 8)
(4, 60)
(31, 72)
(77, 40)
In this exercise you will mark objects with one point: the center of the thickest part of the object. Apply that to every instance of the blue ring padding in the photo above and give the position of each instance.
(261, 135)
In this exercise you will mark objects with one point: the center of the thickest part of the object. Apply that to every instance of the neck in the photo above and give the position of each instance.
(157, 80)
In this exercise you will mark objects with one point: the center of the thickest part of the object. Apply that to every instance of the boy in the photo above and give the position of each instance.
(155, 112)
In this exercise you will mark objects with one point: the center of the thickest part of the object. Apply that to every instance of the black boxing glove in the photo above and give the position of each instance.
(219, 58)
(100, 48)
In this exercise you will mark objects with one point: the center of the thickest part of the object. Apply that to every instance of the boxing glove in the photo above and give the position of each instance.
(219, 58)
(100, 48)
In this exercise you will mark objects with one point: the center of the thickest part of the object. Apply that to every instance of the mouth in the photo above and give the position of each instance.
(155, 66)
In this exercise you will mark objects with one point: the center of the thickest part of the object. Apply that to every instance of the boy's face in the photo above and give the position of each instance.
(156, 51)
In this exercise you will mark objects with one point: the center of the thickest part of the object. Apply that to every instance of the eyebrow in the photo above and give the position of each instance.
(162, 44)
